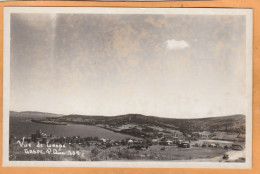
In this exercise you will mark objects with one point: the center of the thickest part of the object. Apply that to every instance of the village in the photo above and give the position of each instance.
(167, 146)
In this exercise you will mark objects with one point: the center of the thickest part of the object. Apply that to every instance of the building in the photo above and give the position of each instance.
(39, 137)
(202, 135)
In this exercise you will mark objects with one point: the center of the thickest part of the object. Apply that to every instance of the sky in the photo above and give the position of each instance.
(179, 66)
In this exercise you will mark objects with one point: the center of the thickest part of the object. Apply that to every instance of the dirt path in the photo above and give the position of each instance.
(234, 155)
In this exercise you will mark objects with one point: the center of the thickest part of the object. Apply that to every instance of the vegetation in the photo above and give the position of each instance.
(153, 138)
(233, 123)
(94, 153)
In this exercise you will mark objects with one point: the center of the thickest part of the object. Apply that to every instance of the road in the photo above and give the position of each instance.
(234, 155)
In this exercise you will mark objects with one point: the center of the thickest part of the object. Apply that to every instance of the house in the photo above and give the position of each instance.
(205, 134)
(103, 140)
(175, 140)
(201, 135)
(169, 142)
(130, 141)
(39, 137)
(166, 143)
(155, 141)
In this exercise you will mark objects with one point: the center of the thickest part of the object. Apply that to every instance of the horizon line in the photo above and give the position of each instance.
(129, 114)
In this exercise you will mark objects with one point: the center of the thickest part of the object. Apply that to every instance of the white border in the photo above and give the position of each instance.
(107, 10)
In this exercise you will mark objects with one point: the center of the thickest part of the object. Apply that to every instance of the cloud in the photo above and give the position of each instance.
(176, 45)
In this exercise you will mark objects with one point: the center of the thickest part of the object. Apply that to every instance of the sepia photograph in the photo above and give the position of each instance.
(127, 87)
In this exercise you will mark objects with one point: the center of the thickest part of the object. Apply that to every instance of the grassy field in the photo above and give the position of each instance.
(155, 153)
(93, 153)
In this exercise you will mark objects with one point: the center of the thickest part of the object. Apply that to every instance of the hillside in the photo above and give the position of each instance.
(140, 125)
(232, 123)
(33, 114)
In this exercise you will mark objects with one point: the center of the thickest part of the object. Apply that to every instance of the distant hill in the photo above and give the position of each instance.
(33, 114)
(232, 123)
(145, 126)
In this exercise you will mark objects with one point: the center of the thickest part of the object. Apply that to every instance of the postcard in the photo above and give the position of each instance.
(127, 87)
